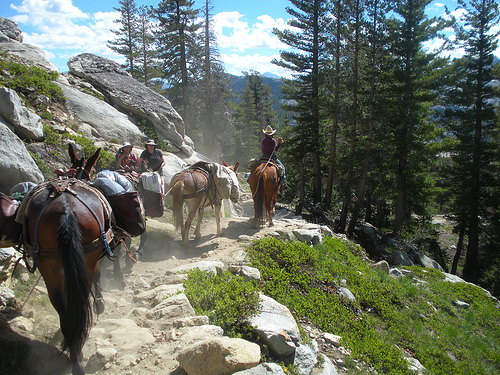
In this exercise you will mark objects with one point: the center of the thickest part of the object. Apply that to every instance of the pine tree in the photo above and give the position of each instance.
(127, 41)
(178, 43)
(475, 119)
(147, 69)
(312, 19)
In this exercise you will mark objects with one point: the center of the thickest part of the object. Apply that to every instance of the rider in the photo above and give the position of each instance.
(269, 147)
(126, 159)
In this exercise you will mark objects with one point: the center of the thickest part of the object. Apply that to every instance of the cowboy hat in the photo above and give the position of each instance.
(268, 131)
(126, 144)
(150, 142)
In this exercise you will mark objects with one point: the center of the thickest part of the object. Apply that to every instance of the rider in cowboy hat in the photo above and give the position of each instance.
(152, 158)
(269, 147)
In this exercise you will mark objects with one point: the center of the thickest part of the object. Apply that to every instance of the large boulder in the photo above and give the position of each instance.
(10, 29)
(105, 121)
(16, 165)
(132, 96)
(11, 43)
(219, 355)
(23, 122)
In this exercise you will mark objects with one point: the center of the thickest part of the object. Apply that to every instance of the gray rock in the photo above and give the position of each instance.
(175, 307)
(382, 265)
(7, 297)
(16, 165)
(306, 357)
(263, 369)
(10, 42)
(102, 120)
(326, 367)
(10, 29)
(99, 359)
(346, 293)
(25, 124)
(208, 266)
(394, 272)
(425, 261)
(461, 304)
(132, 96)
(310, 236)
(219, 355)
(401, 258)
(276, 326)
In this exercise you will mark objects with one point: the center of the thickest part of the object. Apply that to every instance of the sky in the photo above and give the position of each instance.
(66, 28)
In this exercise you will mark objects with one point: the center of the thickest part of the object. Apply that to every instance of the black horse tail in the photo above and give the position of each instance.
(76, 320)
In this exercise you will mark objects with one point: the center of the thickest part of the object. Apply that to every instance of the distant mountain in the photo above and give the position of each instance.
(238, 84)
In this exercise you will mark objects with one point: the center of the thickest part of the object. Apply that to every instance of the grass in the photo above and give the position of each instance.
(390, 319)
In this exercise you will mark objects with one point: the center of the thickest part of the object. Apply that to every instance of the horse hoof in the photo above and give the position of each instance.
(99, 306)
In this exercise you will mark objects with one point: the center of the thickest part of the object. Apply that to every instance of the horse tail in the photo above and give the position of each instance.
(177, 201)
(259, 195)
(76, 319)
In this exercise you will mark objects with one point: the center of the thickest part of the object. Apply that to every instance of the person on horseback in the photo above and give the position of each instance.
(152, 158)
(269, 147)
(125, 158)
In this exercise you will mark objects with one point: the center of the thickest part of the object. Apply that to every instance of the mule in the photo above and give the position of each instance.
(264, 185)
(199, 186)
(66, 231)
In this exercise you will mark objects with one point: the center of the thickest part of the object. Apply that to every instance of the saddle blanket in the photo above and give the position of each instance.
(253, 162)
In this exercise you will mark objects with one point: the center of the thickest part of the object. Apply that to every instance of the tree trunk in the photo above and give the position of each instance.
(460, 245)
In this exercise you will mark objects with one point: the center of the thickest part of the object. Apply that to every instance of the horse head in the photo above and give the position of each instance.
(235, 185)
(84, 167)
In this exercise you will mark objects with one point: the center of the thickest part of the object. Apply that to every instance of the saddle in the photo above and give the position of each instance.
(265, 160)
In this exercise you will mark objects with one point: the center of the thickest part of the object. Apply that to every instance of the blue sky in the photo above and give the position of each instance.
(65, 28)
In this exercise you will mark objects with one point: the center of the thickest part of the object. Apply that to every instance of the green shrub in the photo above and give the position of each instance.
(227, 300)
(30, 80)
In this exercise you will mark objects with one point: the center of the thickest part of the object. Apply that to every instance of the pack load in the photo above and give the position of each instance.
(10, 230)
(151, 181)
(125, 202)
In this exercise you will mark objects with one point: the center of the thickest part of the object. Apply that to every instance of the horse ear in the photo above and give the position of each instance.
(72, 154)
(236, 166)
(224, 164)
(92, 160)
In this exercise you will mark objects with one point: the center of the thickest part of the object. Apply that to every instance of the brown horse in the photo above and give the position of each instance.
(200, 186)
(66, 226)
(264, 184)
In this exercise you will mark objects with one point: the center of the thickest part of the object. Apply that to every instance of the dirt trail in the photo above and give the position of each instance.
(143, 347)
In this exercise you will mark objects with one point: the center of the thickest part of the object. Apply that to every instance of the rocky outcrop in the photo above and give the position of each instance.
(16, 164)
(132, 96)
(23, 122)
(11, 43)
(103, 120)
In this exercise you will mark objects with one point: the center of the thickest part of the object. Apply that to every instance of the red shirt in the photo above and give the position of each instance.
(269, 147)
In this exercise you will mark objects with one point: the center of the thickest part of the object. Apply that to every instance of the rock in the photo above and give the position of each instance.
(99, 359)
(207, 266)
(24, 123)
(382, 265)
(332, 339)
(461, 304)
(100, 119)
(263, 369)
(21, 325)
(346, 293)
(248, 273)
(158, 294)
(16, 165)
(11, 43)
(415, 365)
(310, 236)
(220, 355)
(275, 325)
(394, 272)
(10, 29)
(401, 258)
(326, 231)
(132, 96)
(326, 367)
(191, 335)
(306, 357)
(425, 261)
(7, 297)
(191, 321)
(175, 307)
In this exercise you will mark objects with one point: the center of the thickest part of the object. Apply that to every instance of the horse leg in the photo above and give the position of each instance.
(98, 298)
(193, 209)
(143, 238)
(197, 231)
(217, 217)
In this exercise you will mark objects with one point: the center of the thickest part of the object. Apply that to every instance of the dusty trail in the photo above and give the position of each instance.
(138, 345)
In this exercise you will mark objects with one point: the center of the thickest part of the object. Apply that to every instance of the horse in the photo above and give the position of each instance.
(200, 186)
(67, 226)
(264, 185)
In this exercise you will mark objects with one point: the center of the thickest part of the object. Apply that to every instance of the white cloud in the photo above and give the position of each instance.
(236, 63)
